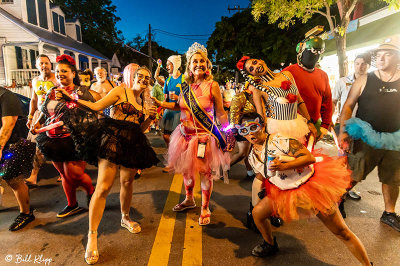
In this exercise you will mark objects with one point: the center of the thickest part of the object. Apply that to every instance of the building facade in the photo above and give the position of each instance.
(32, 27)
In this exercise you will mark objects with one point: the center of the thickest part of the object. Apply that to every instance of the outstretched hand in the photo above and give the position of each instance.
(156, 102)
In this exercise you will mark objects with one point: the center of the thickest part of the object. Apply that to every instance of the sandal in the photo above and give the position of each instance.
(202, 217)
(91, 257)
(132, 227)
(181, 207)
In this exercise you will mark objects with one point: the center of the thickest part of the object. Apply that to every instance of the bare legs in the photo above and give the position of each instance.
(333, 222)
(105, 180)
(390, 195)
(21, 193)
(38, 162)
(243, 147)
(206, 190)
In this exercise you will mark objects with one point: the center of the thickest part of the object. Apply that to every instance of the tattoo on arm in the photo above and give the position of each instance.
(294, 146)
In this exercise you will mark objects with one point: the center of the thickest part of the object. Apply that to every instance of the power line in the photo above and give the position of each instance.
(181, 35)
(184, 38)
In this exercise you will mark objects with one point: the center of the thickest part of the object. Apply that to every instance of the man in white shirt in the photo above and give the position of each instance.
(341, 91)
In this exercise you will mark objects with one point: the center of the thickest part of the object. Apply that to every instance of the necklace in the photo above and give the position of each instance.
(380, 78)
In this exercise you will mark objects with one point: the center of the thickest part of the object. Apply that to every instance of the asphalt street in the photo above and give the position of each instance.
(169, 238)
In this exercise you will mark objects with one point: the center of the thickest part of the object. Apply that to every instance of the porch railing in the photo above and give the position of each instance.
(24, 90)
(22, 77)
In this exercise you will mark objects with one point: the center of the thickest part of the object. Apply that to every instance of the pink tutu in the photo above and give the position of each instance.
(296, 128)
(182, 155)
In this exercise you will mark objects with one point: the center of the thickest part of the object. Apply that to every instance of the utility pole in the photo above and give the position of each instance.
(235, 8)
(150, 55)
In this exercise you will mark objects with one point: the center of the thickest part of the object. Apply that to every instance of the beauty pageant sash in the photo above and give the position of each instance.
(201, 116)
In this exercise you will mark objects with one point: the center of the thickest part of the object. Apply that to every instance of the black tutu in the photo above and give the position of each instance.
(17, 159)
(118, 141)
(57, 149)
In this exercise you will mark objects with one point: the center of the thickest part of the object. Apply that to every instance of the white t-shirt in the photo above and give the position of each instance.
(288, 179)
(341, 91)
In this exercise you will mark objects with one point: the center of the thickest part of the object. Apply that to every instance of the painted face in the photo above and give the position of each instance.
(101, 75)
(386, 59)
(85, 80)
(198, 65)
(360, 66)
(43, 64)
(170, 67)
(256, 67)
(64, 75)
(142, 79)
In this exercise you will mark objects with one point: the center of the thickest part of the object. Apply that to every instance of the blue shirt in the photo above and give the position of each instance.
(172, 84)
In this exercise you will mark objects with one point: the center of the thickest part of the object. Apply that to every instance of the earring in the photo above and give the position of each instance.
(190, 73)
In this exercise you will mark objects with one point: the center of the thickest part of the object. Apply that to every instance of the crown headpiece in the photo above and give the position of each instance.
(196, 47)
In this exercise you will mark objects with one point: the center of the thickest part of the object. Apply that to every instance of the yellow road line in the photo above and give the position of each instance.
(162, 245)
(192, 247)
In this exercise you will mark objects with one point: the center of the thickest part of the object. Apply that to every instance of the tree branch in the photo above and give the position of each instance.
(351, 8)
(329, 17)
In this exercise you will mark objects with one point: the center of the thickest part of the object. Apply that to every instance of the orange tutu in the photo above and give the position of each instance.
(318, 195)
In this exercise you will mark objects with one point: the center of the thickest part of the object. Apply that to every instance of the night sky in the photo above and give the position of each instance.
(176, 16)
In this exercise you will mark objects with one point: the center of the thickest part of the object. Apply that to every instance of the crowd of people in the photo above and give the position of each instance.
(274, 118)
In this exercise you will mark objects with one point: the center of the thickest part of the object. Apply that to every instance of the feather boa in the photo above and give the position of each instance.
(359, 129)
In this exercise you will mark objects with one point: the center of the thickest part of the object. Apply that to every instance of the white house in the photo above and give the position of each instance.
(32, 27)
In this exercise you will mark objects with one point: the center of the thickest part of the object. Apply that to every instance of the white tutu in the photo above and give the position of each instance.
(296, 128)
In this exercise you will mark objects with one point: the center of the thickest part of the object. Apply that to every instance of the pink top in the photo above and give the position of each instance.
(204, 97)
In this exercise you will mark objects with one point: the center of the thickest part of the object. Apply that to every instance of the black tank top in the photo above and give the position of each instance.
(379, 104)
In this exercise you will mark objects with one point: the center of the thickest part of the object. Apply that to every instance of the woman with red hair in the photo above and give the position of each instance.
(116, 143)
(57, 144)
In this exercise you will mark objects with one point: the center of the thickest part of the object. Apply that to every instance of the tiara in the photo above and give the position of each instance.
(196, 47)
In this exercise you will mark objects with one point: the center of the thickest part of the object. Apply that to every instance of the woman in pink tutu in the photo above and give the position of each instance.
(197, 145)
(296, 186)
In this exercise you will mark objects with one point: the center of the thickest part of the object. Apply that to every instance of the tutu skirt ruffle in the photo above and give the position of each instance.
(57, 149)
(318, 195)
(296, 128)
(120, 142)
(182, 156)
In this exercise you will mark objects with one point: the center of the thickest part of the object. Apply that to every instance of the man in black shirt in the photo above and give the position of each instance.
(376, 126)
(16, 155)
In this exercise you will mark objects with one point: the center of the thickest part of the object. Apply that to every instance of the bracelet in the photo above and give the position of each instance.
(30, 117)
(300, 103)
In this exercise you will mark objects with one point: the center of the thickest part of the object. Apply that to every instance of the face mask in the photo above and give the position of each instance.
(309, 59)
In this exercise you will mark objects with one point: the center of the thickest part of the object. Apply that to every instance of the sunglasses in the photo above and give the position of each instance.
(248, 127)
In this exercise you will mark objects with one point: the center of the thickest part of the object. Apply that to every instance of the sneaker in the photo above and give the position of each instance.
(21, 221)
(68, 211)
(264, 249)
(391, 219)
(341, 209)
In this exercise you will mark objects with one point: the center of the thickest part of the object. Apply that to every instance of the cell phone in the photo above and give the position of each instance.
(201, 150)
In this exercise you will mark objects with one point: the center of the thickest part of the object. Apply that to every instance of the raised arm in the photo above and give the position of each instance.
(258, 101)
(111, 98)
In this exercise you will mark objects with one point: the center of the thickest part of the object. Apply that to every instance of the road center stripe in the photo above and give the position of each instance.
(162, 244)
(192, 247)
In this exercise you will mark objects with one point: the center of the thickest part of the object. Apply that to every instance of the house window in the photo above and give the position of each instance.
(55, 22)
(62, 25)
(58, 23)
(31, 10)
(78, 33)
(7, 2)
(42, 8)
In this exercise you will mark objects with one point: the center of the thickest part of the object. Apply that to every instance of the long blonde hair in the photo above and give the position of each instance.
(189, 77)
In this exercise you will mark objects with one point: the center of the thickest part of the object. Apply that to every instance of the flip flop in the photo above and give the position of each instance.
(202, 217)
(180, 207)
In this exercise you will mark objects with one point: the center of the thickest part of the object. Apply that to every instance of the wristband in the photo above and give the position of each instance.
(300, 103)
(30, 117)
